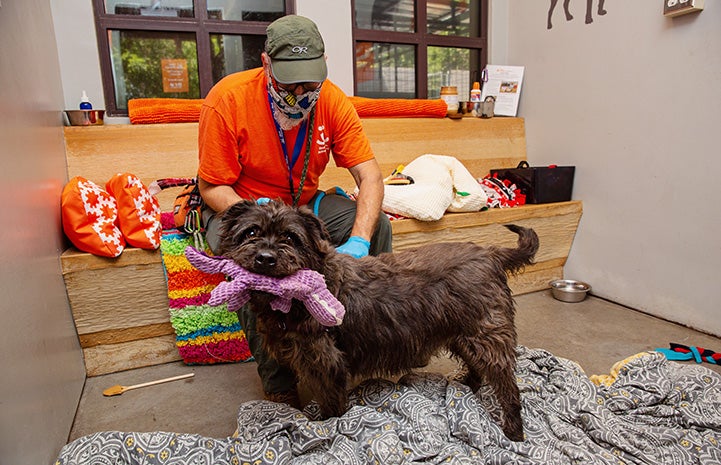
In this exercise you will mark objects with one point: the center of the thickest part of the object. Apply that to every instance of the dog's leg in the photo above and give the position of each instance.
(322, 368)
(492, 359)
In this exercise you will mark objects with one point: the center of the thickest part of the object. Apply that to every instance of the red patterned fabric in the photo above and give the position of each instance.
(138, 211)
(89, 217)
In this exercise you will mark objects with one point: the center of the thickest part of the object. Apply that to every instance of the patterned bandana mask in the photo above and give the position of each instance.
(289, 109)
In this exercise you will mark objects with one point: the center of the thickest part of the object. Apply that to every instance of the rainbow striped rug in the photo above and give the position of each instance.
(205, 334)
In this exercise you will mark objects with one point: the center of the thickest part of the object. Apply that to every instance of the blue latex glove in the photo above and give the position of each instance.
(356, 247)
(262, 200)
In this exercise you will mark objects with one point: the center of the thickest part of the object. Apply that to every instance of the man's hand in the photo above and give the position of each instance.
(356, 247)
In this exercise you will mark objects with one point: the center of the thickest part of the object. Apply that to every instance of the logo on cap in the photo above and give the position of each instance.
(299, 49)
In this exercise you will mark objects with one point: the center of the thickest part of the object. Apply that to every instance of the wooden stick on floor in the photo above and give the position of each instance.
(118, 389)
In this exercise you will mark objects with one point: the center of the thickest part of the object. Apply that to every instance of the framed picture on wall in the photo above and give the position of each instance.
(681, 7)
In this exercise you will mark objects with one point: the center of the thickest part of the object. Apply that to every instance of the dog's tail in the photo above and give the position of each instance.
(515, 259)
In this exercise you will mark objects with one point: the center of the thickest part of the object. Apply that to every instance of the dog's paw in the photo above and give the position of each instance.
(285, 397)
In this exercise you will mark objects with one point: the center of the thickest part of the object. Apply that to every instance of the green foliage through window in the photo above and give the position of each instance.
(138, 66)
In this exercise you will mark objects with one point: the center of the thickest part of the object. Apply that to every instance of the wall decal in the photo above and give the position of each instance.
(589, 11)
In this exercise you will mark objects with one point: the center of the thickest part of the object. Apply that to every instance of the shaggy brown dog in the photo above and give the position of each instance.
(401, 308)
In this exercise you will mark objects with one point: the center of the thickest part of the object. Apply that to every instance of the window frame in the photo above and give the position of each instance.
(200, 24)
(421, 39)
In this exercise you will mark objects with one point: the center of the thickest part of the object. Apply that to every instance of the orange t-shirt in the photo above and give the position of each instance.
(239, 144)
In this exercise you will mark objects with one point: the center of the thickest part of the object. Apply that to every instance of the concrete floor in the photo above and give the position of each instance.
(595, 333)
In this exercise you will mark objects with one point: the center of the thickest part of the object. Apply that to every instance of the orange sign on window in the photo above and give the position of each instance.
(175, 75)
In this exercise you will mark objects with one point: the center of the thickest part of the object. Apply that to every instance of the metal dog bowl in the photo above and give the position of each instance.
(85, 117)
(568, 290)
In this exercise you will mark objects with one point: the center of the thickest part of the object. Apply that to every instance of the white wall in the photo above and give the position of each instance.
(498, 31)
(41, 362)
(334, 22)
(632, 100)
(77, 51)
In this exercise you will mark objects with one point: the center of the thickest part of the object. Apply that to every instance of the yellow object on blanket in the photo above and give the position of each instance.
(163, 110)
(609, 379)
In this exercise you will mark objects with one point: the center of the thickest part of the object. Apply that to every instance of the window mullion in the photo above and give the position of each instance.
(106, 72)
(205, 73)
(422, 49)
(367, 35)
(202, 42)
(290, 7)
(450, 41)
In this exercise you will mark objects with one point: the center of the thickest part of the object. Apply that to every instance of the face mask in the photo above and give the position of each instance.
(289, 109)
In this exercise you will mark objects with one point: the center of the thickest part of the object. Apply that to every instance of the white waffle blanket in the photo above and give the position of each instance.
(441, 184)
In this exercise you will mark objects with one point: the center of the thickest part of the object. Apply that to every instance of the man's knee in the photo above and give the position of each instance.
(338, 213)
(382, 240)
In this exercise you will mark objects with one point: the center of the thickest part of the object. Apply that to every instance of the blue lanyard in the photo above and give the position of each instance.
(297, 148)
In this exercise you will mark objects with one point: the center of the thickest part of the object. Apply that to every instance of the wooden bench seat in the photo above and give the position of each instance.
(120, 306)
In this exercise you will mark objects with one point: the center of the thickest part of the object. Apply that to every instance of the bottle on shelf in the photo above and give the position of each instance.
(85, 102)
(476, 98)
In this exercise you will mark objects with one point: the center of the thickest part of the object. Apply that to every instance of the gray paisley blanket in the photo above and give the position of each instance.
(647, 411)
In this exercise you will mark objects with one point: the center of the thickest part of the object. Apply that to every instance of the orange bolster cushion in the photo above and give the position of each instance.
(89, 215)
(138, 211)
(163, 110)
(395, 107)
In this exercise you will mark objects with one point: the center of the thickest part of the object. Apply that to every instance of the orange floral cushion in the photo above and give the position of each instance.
(89, 215)
(138, 211)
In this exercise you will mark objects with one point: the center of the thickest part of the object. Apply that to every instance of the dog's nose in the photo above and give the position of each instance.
(265, 259)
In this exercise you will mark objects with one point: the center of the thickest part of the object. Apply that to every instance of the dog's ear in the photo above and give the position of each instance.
(229, 223)
(314, 225)
(236, 210)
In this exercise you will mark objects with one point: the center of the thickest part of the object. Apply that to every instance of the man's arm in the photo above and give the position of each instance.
(216, 196)
(369, 179)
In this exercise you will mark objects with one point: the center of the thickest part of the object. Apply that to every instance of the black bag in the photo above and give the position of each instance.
(542, 184)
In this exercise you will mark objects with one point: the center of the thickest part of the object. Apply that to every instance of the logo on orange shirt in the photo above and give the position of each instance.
(322, 140)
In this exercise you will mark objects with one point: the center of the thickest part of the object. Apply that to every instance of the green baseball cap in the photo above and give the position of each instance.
(296, 50)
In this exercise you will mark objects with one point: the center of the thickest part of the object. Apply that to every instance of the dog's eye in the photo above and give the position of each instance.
(291, 238)
(250, 233)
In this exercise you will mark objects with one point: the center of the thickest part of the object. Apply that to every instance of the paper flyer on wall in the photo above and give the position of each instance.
(503, 83)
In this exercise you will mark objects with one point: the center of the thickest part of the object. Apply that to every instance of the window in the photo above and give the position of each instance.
(410, 48)
(177, 48)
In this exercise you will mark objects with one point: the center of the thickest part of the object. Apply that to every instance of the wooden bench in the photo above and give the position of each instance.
(120, 306)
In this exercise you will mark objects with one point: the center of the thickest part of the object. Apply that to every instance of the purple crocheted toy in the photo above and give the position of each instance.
(308, 286)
